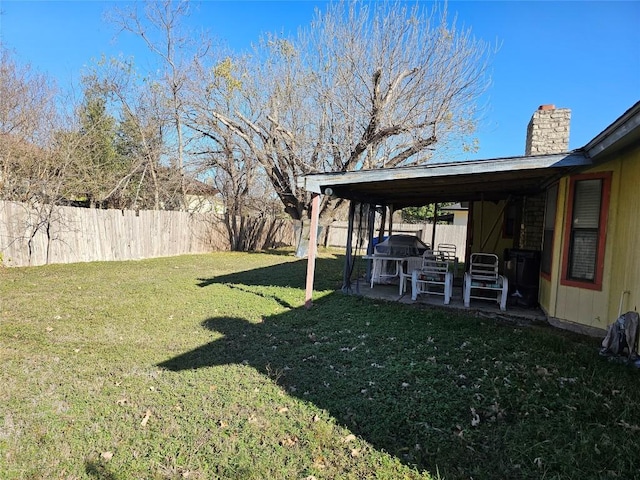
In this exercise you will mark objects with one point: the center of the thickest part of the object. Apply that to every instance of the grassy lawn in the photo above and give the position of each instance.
(208, 367)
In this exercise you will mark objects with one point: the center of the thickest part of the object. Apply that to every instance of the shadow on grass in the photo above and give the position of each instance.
(98, 471)
(440, 391)
(318, 357)
(288, 274)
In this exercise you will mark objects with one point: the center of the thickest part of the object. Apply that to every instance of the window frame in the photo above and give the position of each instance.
(596, 284)
(550, 247)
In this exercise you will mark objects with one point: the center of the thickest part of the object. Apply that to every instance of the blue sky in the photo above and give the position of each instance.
(582, 55)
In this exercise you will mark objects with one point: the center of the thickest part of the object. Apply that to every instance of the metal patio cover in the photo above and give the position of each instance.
(492, 179)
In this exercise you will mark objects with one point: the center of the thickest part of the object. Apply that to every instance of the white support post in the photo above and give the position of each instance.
(313, 248)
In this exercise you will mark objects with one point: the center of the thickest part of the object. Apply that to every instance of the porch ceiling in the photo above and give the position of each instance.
(492, 179)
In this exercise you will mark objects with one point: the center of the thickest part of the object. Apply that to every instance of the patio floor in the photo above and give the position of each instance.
(489, 308)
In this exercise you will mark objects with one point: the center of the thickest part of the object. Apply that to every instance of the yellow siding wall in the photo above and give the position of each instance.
(622, 255)
(625, 253)
(485, 216)
(488, 216)
(460, 217)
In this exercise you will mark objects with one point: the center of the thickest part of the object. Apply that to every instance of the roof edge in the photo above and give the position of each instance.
(621, 127)
(317, 182)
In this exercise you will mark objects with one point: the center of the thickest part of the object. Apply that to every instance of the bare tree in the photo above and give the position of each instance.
(368, 85)
(160, 28)
(140, 137)
(35, 158)
(249, 201)
(28, 120)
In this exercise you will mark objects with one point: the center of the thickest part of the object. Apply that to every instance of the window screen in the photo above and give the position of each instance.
(585, 225)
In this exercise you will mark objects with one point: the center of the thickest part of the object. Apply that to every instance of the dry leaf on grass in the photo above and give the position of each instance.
(634, 428)
(289, 441)
(475, 418)
(146, 418)
(543, 372)
(107, 455)
(349, 438)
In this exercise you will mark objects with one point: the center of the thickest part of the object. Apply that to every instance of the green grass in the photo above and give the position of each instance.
(209, 367)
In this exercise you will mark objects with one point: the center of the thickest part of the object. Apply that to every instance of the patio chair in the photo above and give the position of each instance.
(448, 248)
(483, 277)
(433, 277)
(411, 264)
(449, 253)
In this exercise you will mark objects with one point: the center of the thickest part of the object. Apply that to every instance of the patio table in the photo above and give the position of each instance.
(385, 267)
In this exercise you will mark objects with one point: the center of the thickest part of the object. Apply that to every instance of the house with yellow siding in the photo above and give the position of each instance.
(564, 224)
(593, 245)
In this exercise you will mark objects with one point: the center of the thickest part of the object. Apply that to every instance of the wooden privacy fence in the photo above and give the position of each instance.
(42, 234)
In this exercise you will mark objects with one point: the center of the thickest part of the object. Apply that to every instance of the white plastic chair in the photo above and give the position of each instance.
(433, 277)
(483, 276)
(449, 253)
(411, 264)
(448, 249)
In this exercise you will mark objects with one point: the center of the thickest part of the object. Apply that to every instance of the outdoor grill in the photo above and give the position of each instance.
(401, 246)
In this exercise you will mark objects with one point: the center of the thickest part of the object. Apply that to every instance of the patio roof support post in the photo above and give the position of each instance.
(348, 262)
(481, 219)
(390, 220)
(435, 222)
(469, 237)
(383, 223)
(313, 248)
(371, 230)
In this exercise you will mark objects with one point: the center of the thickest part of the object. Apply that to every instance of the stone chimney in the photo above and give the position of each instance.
(548, 131)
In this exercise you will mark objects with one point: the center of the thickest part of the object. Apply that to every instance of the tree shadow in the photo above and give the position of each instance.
(97, 470)
(288, 274)
(357, 372)
(415, 382)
